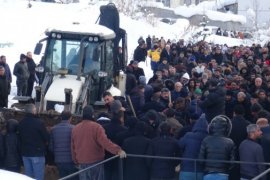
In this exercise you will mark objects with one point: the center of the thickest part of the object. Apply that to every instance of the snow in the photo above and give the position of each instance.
(7, 175)
(22, 27)
(213, 15)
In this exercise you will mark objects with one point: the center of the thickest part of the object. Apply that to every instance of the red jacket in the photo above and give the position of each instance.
(89, 141)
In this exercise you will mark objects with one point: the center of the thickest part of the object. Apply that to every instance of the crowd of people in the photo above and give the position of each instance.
(25, 73)
(205, 103)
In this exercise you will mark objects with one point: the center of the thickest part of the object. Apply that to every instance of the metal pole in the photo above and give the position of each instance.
(196, 169)
(262, 174)
(120, 169)
(102, 162)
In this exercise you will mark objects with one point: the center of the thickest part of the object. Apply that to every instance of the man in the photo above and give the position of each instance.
(214, 103)
(251, 151)
(163, 145)
(3, 88)
(32, 78)
(135, 69)
(7, 71)
(265, 139)
(109, 99)
(34, 138)
(238, 134)
(88, 145)
(140, 52)
(165, 98)
(166, 52)
(60, 145)
(178, 91)
(22, 73)
(217, 146)
(136, 168)
(190, 145)
(154, 54)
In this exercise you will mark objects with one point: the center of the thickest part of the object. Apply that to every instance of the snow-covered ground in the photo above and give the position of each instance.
(7, 175)
(22, 27)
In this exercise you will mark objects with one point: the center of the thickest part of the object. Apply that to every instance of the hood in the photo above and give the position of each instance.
(12, 125)
(201, 125)
(56, 90)
(220, 126)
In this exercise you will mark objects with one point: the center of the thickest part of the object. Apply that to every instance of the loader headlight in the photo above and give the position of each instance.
(39, 69)
(53, 35)
(91, 38)
(58, 36)
(102, 74)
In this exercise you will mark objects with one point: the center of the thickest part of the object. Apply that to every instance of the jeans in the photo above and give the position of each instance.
(34, 167)
(95, 173)
(216, 176)
(66, 169)
(190, 175)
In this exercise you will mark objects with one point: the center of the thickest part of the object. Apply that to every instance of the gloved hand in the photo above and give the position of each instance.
(122, 154)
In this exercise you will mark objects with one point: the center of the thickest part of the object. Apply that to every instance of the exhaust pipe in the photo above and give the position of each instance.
(68, 99)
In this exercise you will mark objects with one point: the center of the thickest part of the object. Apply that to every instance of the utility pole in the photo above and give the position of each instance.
(29, 4)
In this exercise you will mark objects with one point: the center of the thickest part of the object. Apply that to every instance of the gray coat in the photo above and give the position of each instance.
(21, 71)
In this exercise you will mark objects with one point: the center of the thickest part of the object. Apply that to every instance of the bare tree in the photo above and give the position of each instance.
(256, 7)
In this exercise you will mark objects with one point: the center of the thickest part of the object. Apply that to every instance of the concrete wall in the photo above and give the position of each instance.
(194, 20)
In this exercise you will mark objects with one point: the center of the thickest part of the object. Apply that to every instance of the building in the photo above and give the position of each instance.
(256, 11)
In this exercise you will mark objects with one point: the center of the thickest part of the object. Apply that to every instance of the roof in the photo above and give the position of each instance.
(84, 29)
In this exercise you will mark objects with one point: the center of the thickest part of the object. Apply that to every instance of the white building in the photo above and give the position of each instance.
(256, 11)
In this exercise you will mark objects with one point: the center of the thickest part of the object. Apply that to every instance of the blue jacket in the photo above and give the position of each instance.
(190, 144)
(60, 142)
(251, 151)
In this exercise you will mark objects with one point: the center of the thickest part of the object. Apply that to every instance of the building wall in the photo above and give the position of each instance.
(263, 10)
(175, 3)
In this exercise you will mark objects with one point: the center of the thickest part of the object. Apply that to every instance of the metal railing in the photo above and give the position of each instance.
(120, 164)
(90, 167)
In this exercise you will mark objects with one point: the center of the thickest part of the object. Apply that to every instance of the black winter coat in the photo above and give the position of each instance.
(33, 136)
(3, 91)
(139, 54)
(21, 71)
(165, 54)
(112, 131)
(163, 146)
(239, 130)
(2, 150)
(136, 168)
(214, 104)
(217, 146)
(31, 68)
(12, 150)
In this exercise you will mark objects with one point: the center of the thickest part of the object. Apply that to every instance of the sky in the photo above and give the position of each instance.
(22, 27)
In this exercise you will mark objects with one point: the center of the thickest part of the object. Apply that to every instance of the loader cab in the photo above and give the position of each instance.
(80, 57)
(80, 52)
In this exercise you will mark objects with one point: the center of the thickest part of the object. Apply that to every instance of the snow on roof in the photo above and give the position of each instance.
(87, 29)
(213, 15)
(215, 39)
(214, 5)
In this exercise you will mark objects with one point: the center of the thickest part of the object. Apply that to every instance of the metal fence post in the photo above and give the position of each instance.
(196, 169)
(120, 169)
